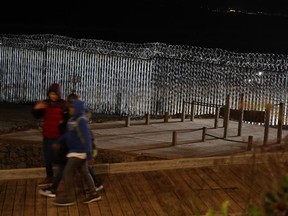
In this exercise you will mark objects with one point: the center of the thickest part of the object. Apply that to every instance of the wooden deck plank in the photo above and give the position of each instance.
(130, 194)
(103, 204)
(18, 208)
(249, 185)
(164, 191)
(80, 195)
(51, 208)
(203, 190)
(222, 191)
(255, 180)
(30, 198)
(94, 209)
(63, 211)
(119, 192)
(113, 201)
(245, 194)
(273, 175)
(211, 191)
(249, 176)
(147, 189)
(3, 187)
(8, 203)
(73, 210)
(41, 205)
(224, 181)
(144, 200)
(214, 188)
(197, 203)
(188, 191)
(182, 190)
(56, 210)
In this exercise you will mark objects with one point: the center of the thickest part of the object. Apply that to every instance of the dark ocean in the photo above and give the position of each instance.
(234, 26)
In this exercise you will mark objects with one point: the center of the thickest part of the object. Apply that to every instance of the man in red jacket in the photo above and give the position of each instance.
(53, 111)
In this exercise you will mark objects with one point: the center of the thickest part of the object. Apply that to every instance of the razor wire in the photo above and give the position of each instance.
(134, 79)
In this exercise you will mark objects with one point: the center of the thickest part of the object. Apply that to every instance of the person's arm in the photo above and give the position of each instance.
(39, 109)
(63, 125)
(60, 141)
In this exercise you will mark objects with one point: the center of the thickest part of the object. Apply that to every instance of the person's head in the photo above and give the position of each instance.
(77, 108)
(69, 100)
(54, 92)
(71, 97)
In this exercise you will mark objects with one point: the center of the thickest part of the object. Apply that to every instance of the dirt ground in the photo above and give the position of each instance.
(15, 117)
(18, 117)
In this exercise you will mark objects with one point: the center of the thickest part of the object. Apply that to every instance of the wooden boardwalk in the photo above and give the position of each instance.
(191, 178)
(175, 191)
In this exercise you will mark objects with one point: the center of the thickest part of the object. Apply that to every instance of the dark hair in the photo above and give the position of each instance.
(71, 97)
(55, 87)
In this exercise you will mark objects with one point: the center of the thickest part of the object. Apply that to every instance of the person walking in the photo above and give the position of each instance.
(79, 155)
(97, 181)
(50, 191)
(53, 111)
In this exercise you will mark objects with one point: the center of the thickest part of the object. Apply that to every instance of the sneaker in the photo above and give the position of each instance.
(100, 187)
(48, 181)
(87, 191)
(92, 198)
(49, 192)
(63, 202)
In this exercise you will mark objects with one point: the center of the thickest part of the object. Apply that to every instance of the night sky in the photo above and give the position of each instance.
(235, 25)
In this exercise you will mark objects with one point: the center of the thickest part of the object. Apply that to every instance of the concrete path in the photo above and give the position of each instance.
(155, 139)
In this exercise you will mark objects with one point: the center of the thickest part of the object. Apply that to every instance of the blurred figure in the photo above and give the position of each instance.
(79, 155)
(50, 191)
(97, 181)
(53, 111)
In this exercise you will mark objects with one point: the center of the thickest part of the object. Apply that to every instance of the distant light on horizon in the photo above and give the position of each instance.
(248, 11)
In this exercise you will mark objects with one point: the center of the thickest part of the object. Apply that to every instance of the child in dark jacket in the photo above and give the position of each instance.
(53, 111)
(79, 155)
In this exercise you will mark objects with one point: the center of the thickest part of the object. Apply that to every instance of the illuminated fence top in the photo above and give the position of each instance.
(267, 61)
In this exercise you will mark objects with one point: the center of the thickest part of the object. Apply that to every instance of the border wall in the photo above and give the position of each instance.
(117, 78)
